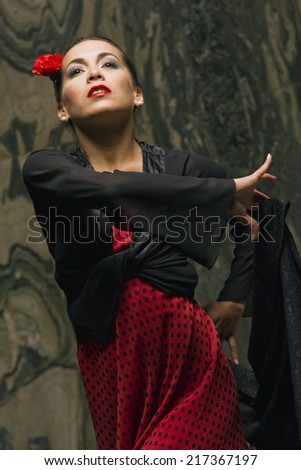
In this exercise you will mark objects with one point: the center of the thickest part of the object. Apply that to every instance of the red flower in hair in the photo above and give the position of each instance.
(48, 65)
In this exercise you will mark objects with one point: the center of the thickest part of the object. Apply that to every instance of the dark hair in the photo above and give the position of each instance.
(129, 64)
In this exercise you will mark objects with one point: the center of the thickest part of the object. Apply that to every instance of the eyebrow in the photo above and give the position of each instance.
(83, 61)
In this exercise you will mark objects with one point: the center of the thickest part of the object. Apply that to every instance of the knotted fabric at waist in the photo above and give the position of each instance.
(92, 302)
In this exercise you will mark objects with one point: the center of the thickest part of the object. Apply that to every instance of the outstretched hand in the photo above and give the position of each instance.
(246, 191)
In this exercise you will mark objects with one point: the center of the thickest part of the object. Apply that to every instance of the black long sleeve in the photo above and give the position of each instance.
(54, 178)
(69, 195)
(238, 285)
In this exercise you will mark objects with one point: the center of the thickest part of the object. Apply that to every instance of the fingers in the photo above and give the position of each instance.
(268, 176)
(262, 170)
(240, 213)
(254, 226)
(238, 208)
(260, 194)
(233, 348)
(246, 190)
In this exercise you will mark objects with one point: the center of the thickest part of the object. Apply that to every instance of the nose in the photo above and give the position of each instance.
(94, 74)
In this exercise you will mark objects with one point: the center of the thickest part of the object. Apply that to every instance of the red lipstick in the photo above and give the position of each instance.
(98, 90)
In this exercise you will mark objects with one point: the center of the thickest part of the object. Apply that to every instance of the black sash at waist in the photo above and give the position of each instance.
(92, 302)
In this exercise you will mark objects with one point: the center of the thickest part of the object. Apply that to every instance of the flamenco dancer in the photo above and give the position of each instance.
(151, 359)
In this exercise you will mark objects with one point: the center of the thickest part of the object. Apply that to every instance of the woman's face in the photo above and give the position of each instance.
(96, 82)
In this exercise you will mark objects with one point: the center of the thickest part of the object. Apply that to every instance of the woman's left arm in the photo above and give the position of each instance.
(228, 309)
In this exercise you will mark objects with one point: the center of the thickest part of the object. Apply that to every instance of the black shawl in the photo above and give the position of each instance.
(271, 395)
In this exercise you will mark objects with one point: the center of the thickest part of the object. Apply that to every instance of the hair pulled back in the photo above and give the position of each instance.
(129, 64)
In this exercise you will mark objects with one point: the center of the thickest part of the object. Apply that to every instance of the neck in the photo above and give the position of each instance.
(110, 149)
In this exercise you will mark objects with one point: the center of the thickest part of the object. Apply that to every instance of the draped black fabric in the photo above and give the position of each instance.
(270, 395)
(54, 178)
(182, 200)
(150, 259)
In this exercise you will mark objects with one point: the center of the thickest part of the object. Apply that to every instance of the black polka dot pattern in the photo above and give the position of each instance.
(164, 382)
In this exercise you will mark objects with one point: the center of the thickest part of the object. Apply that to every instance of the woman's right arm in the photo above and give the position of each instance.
(245, 191)
(55, 178)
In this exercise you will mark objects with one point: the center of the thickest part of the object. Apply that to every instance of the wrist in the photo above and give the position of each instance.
(237, 306)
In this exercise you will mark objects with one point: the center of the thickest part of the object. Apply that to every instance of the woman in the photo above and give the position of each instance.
(120, 218)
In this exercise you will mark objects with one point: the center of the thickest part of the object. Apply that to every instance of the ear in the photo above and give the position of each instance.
(62, 113)
(138, 99)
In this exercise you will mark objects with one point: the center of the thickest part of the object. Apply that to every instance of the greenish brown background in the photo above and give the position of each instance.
(221, 77)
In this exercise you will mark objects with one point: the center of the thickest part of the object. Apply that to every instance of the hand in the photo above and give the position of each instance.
(226, 316)
(245, 192)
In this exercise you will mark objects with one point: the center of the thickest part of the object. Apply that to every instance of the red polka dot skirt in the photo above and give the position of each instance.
(164, 382)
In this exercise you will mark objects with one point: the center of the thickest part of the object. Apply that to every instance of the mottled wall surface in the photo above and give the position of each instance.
(221, 77)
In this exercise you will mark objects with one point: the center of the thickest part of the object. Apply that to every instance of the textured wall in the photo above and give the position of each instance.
(221, 77)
